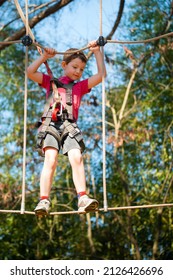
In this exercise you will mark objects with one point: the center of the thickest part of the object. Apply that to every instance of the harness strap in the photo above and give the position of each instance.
(69, 103)
(42, 135)
(49, 71)
(43, 131)
(64, 113)
(72, 130)
(54, 133)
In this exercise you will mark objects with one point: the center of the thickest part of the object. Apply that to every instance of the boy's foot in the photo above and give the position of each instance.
(87, 204)
(42, 207)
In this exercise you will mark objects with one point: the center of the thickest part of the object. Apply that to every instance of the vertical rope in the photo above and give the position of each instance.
(25, 117)
(103, 121)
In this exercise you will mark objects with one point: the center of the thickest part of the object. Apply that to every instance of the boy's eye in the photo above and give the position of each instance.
(81, 69)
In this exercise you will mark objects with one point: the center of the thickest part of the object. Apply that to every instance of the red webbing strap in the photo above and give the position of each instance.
(49, 72)
(48, 69)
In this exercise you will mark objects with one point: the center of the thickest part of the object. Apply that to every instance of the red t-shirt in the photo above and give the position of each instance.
(78, 90)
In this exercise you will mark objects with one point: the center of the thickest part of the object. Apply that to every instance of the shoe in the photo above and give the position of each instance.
(42, 207)
(87, 204)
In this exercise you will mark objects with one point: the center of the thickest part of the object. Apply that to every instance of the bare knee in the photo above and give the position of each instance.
(51, 159)
(75, 157)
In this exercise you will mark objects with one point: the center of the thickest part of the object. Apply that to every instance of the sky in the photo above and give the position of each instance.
(80, 22)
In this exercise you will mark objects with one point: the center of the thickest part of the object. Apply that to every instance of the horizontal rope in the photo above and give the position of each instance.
(114, 42)
(86, 47)
(141, 41)
(17, 212)
(138, 207)
(10, 42)
(99, 210)
(57, 52)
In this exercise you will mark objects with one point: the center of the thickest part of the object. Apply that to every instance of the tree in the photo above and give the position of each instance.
(140, 132)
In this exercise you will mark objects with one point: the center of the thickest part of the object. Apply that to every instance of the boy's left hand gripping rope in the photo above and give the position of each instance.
(27, 41)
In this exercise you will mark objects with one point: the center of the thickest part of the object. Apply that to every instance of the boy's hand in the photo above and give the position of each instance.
(93, 46)
(49, 53)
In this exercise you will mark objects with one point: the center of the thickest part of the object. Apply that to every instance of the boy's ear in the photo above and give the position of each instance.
(63, 64)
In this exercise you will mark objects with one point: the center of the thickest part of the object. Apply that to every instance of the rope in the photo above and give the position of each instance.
(114, 42)
(162, 205)
(10, 42)
(29, 31)
(86, 47)
(141, 41)
(16, 212)
(25, 21)
(105, 204)
(57, 52)
(25, 118)
(139, 207)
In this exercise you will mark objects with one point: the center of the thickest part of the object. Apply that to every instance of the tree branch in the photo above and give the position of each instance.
(2, 2)
(118, 19)
(36, 19)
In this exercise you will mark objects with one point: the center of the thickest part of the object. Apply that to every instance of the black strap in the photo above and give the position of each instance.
(72, 130)
(43, 129)
(54, 133)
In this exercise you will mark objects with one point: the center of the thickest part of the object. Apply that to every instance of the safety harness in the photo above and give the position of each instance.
(57, 112)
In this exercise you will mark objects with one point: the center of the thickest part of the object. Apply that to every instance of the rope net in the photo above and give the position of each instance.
(28, 40)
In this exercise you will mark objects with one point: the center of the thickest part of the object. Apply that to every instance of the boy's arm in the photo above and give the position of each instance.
(32, 72)
(101, 70)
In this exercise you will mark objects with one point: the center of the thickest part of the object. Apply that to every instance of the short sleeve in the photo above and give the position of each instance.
(46, 84)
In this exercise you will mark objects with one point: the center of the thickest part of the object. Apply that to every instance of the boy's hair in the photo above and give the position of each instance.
(76, 54)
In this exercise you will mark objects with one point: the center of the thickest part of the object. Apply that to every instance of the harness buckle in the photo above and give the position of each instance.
(74, 132)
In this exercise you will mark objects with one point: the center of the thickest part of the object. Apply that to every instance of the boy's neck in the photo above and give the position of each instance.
(65, 79)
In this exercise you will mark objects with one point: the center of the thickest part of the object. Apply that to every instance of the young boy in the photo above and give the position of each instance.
(72, 144)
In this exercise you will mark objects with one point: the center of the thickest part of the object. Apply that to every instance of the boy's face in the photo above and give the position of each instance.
(74, 69)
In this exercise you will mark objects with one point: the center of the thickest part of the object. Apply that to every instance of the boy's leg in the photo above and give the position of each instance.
(50, 163)
(47, 174)
(78, 171)
(76, 160)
